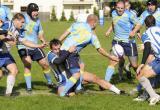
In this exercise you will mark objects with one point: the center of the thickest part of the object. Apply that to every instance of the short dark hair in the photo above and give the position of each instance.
(152, 2)
(150, 21)
(18, 16)
(54, 42)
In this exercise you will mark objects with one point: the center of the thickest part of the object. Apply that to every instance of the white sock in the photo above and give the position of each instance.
(147, 85)
(10, 83)
(114, 89)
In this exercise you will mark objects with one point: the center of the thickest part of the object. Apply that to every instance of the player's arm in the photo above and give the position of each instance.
(41, 34)
(146, 52)
(96, 43)
(42, 38)
(63, 56)
(31, 44)
(64, 35)
(106, 54)
(109, 30)
(135, 30)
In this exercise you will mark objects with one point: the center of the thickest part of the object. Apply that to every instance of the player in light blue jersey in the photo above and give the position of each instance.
(151, 40)
(12, 33)
(33, 33)
(80, 35)
(123, 22)
(152, 9)
(5, 13)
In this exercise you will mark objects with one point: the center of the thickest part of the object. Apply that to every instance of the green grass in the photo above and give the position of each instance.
(94, 100)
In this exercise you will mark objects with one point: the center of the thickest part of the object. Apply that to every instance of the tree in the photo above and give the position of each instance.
(63, 18)
(71, 17)
(53, 15)
(95, 11)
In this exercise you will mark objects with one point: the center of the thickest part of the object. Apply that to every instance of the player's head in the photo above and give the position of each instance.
(55, 45)
(152, 5)
(150, 21)
(18, 20)
(32, 11)
(92, 20)
(120, 7)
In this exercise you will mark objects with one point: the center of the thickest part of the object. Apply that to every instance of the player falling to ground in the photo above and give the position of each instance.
(151, 39)
(33, 32)
(57, 59)
(11, 33)
(123, 22)
(80, 35)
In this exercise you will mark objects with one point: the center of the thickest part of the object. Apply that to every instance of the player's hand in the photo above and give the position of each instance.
(139, 69)
(42, 46)
(72, 49)
(138, 35)
(132, 34)
(114, 58)
(107, 34)
(10, 33)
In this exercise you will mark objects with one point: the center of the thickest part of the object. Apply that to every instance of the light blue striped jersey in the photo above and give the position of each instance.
(5, 13)
(58, 70)
(123, 25)
(33, 29)
(156, 14)
(80, 36)
(152, 35)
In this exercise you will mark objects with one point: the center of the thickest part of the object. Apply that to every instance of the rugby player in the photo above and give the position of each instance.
(57, 58)
(150, 38)
(12, 33)
(80, 34)
(33, 32)
(123, 22)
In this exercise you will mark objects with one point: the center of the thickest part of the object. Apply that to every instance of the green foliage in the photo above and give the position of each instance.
(53, 15)
(71, 17)
(95, 11)
(63, 18)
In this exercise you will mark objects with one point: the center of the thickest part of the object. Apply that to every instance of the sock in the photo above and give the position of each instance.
(10, 83)
(114, 89)
(146, 84)
(27, 77)
(109, 73)
(79, 84)
(47, 76)
(139, 87)
(69, 84)
(120, 71)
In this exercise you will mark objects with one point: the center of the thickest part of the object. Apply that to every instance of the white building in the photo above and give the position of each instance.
(46, 6)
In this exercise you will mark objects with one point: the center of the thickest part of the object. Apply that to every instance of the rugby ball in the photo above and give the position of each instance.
(118, 50)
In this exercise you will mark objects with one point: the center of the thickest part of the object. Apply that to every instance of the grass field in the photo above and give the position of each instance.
(45, 99)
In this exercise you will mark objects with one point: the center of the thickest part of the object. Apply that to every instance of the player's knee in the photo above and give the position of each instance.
(14, 71)
(76, 75)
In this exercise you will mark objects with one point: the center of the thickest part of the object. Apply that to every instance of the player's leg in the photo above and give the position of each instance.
(120, 68)
(147, 72)
(27, 61)
(110, 70)
(39, 56)
(13, 71)
(89, 77)
(111, 67)
(74, 68)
